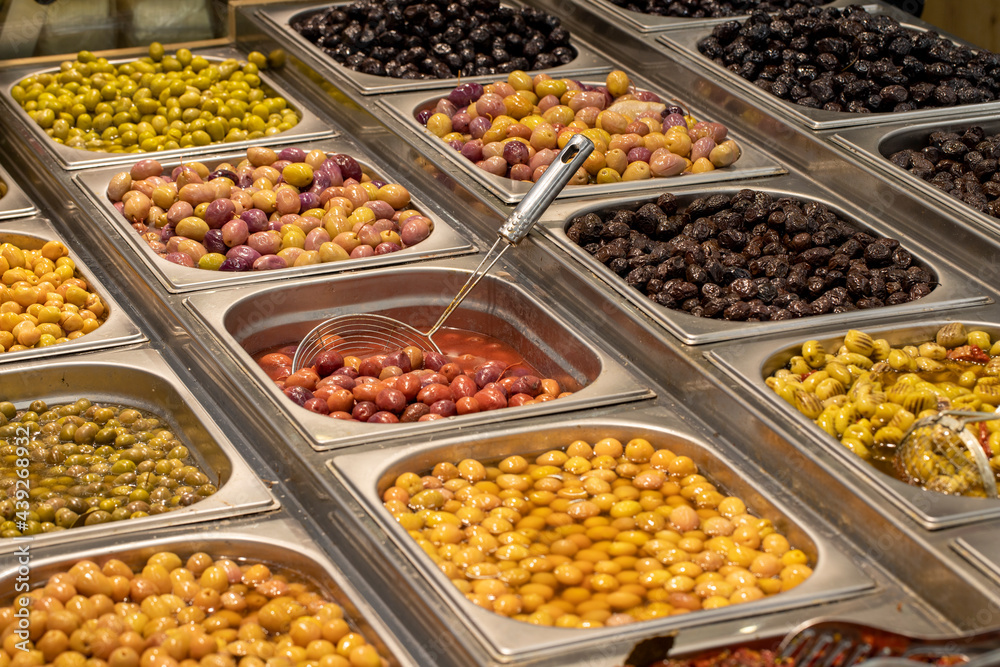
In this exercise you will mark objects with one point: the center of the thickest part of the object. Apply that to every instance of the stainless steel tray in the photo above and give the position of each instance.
(685, 42)
(752, 163)
(444, 240)
(980, 547)
(873, 146)
(368, 474)
(309, 126)
(118, 328)
(955, 289)
(140, 378)
(646, 23)
(280, 543)
(16, 203)
(751, 362)
(279, 18)
(258, 318)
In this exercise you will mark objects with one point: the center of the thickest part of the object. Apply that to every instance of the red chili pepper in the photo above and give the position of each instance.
(984, 439)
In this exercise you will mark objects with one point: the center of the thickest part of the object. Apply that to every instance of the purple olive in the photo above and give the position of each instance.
(236, 264)
(244, 252)
(400, 359)
(464, 93)
(456, 144)
(321, 181)
(224, 173)
(214, 241)
(702, 148)
(246, 180)
(383, 417)
(180, 258)
(327, 361)
(219, 212)
(445, 407)
(377, 182)
(167, 232)
(256, 220)
(384, 225)
(269, 263)
(490, 371)
(434, 360)
(460, 121)
(674, 109)
(647, 96)
(638, 154)
(673, 119)
(387, 247)
(298, 394)
(424, 115)
(514, 152)
(473, 150)
(308, 200)
(349, 371)
(332, 169)
(349, 167)
(341, 380)
(292, 154)
(478, 126)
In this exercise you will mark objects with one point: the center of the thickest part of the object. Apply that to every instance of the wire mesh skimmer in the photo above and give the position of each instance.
(939, 454)
(366, 333)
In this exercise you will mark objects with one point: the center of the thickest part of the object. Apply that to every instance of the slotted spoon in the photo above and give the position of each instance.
(834, 643)
(937, 453)
(367, 333)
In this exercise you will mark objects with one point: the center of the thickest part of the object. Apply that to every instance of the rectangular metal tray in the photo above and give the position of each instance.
(980, 548)
(753, 162)
(873, 146)
(368, 474)
(444, 241)
(16, 203)
(955, 291)
(140, 378)
(646, 23)
(685, 42)
(310, 125)
(749, 363)
(258, 318)
(279, 18)
(117, 329)
(279, 543)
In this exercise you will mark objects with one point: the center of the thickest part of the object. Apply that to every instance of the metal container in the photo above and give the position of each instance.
(368, 474)
(117, 329)
(750, 363)
(873, 145)
(684, 41)
(404, 107)
(444, 240)
(280, 18)
(140, 378)
(980, 547)
(249, 320)
(281, 544)
(955, 289)
(14, 203)
(647, 23)
(309, 126)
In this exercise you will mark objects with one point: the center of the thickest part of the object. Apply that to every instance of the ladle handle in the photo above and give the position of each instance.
(540, 196)
(573, 155)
